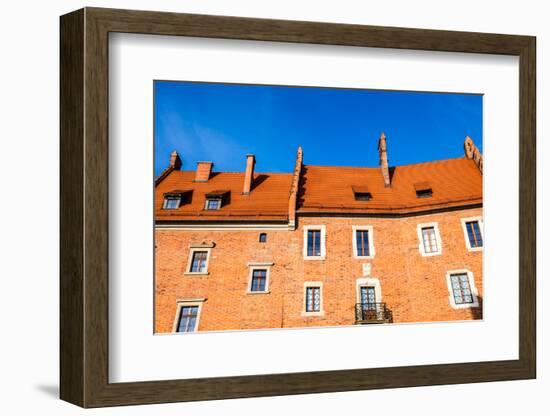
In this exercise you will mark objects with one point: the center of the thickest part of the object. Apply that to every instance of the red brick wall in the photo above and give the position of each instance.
(413, 287)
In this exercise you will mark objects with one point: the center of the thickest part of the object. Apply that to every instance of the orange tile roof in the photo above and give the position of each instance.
(267, 201)
(454, 182)
(325, 189)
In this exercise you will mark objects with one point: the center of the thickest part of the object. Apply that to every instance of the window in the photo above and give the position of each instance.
(263, 237)
(473, 233)
(313, 299)
(423, 189)
(361, 193)
(362, 241)
(172, 202)
(187, 321)
(259, 280)
(198, 263)
(187, 315)
(199, 256)
(462, 290)
(213, 203)
(314, 242)
(429, 239)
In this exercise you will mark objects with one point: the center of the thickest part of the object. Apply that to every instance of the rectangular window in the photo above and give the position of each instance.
(362, 243)
(429, 240)
(313, 243)
(188, 319)
(259, 280)
(313, 299)
(213, 204)
(474, 234)
(172, 202)
(462, 292)
(198, 262)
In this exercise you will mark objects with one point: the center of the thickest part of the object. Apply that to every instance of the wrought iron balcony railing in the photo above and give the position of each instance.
(372, 313)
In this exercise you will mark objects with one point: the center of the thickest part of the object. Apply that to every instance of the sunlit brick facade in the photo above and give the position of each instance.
(321, 246)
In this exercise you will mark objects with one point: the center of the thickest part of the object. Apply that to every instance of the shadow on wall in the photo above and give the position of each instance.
(477, 313)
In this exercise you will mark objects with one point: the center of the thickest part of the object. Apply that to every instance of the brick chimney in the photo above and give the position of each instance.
(384, 168)
(294, 189)
(249, 174)
(472, 152)
(204, 169)
(175, 161)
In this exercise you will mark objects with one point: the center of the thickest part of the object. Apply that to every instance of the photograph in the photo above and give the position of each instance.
(297, 206)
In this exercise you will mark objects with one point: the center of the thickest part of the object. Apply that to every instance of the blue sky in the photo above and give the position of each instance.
(340, 127)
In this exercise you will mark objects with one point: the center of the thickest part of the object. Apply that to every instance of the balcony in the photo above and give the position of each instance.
(372, 313)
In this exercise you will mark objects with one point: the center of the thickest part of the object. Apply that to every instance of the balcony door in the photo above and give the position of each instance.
(368, 297)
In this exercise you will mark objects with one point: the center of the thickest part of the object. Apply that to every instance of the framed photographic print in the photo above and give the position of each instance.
(256, 207)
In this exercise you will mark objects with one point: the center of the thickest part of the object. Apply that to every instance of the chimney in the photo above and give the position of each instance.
(294, 189)
(249, 174)
(175, 161)
(472, 152)
(204, 169)
(384, 168)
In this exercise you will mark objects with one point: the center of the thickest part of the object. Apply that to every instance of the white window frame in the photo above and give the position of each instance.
(193, 249)
(473, 289)
(188, 303)
(171, 197)
(368, 281)
(321, 311)
(258, 266)
(368, 228)
(323, 230)
(435, 226)
(463, 221)
(219, 200)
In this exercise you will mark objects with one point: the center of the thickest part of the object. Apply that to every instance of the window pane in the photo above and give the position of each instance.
(429, 240)
(171, 203)
(198, 264)
(462, 293)
(188, 318)
(474, 234)
(213, 203)
(313, 299)
(259, 278)
(314, 243)
(362, 240)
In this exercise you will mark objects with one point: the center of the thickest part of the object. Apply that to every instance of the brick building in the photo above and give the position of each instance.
(320, 246)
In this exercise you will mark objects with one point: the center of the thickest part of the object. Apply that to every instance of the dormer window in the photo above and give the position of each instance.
(213, 203)
(172, 202)
(423, 190)
(174, 199)
(361, 193)
(215, 200)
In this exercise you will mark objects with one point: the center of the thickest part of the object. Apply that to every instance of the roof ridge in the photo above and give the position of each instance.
(391, 166)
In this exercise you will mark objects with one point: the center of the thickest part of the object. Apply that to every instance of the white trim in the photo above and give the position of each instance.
(321, 311)
(222, 227)
(473, 289)
(323, 230)
(258, 266)
(435, 226)
(368, 281)
(463, 221)
(192, 250)
(368, 228)
(190, 302)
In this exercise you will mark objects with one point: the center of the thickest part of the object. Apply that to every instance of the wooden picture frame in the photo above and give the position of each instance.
(84, 207)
